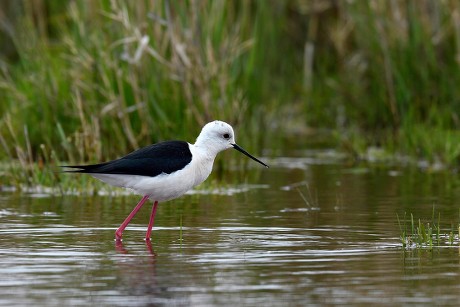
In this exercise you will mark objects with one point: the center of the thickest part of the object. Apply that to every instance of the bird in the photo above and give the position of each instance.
(165, 170)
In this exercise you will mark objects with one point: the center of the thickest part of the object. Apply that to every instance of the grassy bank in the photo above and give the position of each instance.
(88, 80)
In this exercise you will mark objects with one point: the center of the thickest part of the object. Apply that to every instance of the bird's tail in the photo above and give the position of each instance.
(82, 168)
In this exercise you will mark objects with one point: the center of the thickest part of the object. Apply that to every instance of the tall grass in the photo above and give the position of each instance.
(119, 74)
(423, 234)
(96, 79)
(90, 80)
(391, 69)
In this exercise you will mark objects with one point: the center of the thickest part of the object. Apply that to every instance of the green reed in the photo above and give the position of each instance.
(83, 81)
(103, 78)
(424, 234)
(391, 72)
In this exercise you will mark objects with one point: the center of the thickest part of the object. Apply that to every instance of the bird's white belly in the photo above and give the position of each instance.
(162, 187)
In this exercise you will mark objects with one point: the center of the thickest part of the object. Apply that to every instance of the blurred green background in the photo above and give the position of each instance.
(83, 81)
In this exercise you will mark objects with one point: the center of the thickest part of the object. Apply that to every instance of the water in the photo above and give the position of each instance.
(308, 231)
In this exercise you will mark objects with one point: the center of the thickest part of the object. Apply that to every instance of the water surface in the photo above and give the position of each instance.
(311, 230)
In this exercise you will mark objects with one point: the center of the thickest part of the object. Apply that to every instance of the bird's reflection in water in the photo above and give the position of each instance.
(136, 275)
(148, 243)
(120, 248)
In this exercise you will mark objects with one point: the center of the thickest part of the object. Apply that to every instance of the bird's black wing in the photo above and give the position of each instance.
(165, 157)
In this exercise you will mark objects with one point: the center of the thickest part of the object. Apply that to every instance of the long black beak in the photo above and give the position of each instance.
(248, 154)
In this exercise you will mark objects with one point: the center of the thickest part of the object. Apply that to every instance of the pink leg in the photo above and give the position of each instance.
(123, 225)
(152, 219)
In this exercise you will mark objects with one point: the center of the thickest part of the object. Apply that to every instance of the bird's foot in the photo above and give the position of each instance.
(118, 236)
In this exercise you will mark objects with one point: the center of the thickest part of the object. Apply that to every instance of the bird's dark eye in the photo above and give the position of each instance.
(226, 136)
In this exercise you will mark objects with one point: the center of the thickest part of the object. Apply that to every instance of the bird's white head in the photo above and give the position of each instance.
(217, 136)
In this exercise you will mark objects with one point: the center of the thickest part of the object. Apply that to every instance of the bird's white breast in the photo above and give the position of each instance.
(166, 186)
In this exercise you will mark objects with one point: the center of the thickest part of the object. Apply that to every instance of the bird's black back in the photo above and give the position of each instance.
(165, 157)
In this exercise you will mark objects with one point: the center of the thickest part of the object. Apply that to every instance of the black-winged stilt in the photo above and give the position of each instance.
(165, 170)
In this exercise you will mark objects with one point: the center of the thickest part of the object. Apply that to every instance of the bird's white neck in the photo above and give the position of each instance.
(203, 161)
(206, 147)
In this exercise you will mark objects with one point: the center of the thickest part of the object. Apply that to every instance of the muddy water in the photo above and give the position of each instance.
(311, 230)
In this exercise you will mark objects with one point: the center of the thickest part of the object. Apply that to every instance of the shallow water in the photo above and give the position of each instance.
(308, 231)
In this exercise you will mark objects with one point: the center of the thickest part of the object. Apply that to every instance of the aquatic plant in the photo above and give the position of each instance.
(420, 234)
(112, 76)
(92, 80)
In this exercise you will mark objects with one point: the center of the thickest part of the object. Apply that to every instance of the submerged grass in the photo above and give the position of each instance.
(84, 81)
(420, 234)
